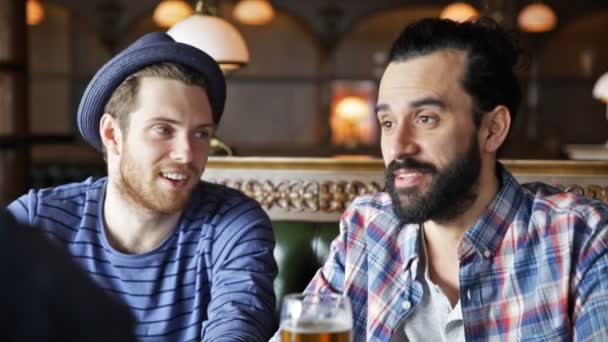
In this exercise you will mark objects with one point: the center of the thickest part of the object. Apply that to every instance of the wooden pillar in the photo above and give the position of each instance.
(14, 125)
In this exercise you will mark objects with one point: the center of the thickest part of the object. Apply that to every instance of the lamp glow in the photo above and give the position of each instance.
(34, 12)
(352, 108)
(169, 12)
(459, 11)
(537, 17)
(253, 12)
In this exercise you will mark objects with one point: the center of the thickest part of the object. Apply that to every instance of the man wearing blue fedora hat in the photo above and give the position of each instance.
(192, 260)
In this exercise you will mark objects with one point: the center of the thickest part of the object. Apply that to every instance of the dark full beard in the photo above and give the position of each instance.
(452, 191)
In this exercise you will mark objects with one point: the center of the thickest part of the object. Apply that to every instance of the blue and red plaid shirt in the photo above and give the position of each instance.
(533, 267)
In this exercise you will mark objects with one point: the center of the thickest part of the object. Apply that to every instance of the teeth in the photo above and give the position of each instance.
(174, 176)
(404, 174)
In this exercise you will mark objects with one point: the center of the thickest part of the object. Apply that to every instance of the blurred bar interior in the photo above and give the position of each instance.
(302, 75)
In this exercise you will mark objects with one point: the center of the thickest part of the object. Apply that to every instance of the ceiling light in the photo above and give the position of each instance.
(215, 36)
(253, 12)
(34, 12)
(459, 11)
(537, 17)
(168, 12)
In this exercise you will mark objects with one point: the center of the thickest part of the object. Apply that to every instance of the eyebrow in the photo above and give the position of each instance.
(380, 107)
(176, 122)
(428, 101)
(425, 101)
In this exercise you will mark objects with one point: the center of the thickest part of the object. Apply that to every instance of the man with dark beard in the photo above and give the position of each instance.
(455, 248)
(192, 260)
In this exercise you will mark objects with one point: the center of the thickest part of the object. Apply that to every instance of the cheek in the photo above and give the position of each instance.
(149, 152)
(200, 154)
(385, 149)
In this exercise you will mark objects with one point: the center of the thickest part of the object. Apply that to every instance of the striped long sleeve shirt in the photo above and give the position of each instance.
(534, 267)
(209, 280)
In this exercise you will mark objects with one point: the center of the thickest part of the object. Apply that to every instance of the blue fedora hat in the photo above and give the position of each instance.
(150, 49)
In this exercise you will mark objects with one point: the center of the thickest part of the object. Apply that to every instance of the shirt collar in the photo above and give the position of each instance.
(488, 232)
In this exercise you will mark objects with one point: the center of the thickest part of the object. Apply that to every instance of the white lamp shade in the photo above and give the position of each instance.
(600, 89)
(215, 36)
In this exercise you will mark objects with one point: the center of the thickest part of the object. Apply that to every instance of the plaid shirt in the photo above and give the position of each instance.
(533, 267)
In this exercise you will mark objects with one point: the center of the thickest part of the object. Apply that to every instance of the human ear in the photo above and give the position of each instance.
(110, 133)
(495, 128)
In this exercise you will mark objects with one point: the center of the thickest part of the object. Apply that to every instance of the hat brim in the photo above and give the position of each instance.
(114, 72)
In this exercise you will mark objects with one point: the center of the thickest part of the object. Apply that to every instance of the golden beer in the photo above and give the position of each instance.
(315, 332)
(302, 336)
(323, 317)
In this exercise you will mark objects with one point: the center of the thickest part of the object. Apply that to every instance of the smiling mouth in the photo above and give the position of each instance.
(407, 178)
(175, 178)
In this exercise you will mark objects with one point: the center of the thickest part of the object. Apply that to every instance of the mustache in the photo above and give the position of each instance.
(409, 163)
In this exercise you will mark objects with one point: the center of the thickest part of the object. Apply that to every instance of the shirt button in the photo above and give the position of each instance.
(487, 254)
(406, 305)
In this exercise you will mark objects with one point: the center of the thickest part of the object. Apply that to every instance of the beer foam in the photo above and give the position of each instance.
(315, 327)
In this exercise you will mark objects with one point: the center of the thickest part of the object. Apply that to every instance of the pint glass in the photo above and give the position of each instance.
(316, 318)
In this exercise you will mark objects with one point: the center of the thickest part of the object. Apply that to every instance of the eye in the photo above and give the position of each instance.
(427, 119)
(386, 124)
(202, 135)
(162, 130)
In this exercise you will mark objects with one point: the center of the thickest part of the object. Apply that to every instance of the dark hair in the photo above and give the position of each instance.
(491, 58)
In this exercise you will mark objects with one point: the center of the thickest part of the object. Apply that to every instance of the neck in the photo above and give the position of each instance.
(442, 239)
(131, 228)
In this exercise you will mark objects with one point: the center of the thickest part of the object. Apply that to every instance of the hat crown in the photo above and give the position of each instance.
(151, 48)
(151, 38)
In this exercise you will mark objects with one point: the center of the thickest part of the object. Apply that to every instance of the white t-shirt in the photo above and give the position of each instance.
(433, 319)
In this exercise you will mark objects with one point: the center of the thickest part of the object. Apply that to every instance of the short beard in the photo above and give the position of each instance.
(137, 186)
(452, 191)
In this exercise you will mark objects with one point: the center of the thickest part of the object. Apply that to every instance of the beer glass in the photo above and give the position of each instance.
(316, 318)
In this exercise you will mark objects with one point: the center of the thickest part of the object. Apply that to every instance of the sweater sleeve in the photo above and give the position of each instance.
(23, 208)
(242, 306)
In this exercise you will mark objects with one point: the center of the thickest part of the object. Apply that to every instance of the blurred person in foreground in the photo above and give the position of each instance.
(45, 296)
(456, 248)
(191, 259)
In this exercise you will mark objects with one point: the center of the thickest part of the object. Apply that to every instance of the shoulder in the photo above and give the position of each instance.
(67, 198)
(221, 204)
(550, 201)
(373, 201)
(371, 207)
(578, 221)
(219, 197)
(370, 217)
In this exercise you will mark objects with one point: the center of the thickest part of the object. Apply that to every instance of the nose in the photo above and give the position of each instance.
(182, 149)
(401, 143)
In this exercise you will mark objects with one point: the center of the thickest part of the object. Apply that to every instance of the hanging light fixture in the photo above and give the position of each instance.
(600, 90)
(169, 12)
(214, 35)
(537, 17)
(253, 12)
(34, 12)
(459, 11)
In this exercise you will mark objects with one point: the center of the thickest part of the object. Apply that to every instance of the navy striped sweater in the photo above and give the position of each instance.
(210, 280)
